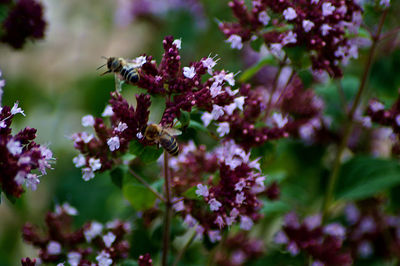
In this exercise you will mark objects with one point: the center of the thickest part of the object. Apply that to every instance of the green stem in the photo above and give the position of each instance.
(349, 125)
(147, 185)
(275, 86)
(168, 212)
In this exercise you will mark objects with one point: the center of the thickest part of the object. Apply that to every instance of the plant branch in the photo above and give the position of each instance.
(275, 85)
(147, 185)
(168, 212)
(349, 125)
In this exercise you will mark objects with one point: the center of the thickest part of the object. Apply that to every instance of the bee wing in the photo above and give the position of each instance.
(118, 82)
(172, 131)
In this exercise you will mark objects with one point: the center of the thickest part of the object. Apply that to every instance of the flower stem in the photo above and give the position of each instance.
(168, 212)
(349, 125)
(147, 185)
(275, 85)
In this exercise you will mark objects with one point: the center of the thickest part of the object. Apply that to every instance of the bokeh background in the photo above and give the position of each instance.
(56, 83)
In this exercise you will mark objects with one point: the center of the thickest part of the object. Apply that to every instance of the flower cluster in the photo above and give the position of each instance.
(390, 118)
(320, 26)
(322, 243)
(20, 155)
(228, 196)
(93, 241)
(129, 10)
(24, 21)
(238, 250)
(100, 152)
(145, 260)
(371, 231)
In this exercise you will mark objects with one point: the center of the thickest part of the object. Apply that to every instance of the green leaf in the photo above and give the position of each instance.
(191, 193)
(197, 126)
(250, 72)
(275, 208)
(147, 154)
(140, 197)
(299, 57)
(256, 44)
(150, 154)
(117, 175)
(363, 177)
(136, 148)
(129, 263)
(184, 118)
(306, 77)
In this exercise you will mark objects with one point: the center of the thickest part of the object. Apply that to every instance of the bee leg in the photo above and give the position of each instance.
(118, 83)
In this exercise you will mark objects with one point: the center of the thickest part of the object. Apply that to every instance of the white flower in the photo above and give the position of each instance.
(325, 28)
(235, 41)
(365, 249)
(121, 127)
(53, 248)
(264, 18)
(398, 120)
(280, 238)
(202, 190)
(67, 208)
(189, 220)
(209, 63)
(306, 131)
(307, 25)
(179, 205)
(17, 110)
(376, 106)
(327, 9)
(95, 164)
(290, 37)
(86, 137)
(223, 129)
(178, 43)
(79, 161)
(189, 72)
(32, 181)
(239, 101)
(240, 198)
(279, 120)
(214, 204)
(217, 111)
(230, 108)
(314, 1)
(215, 89)
(113, 143)
(108, 239)
(238, 257)
(276, 49)
(139, 61)
(94, 230)
(240, 185)
(219, 221)
(293, 248)
(206, 118)
(230, 79)
(20, 177)
(341, 51)
(2, 123)
(74, 258)
(14, 147)
(384, 3)
(335, 229)
(87, 173)
(104, 259)
(108, 111)
(88, 121)
(289, 13)
(214, 235)
(246, 223)
(139, 135)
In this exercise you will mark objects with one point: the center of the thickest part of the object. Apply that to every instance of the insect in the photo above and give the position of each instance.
(124, 70)
(163, 136)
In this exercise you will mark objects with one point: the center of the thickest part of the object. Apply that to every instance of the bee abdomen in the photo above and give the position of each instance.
(170, 145)
(130, 75)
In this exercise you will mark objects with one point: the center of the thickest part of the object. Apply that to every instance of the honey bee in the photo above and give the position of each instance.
(164, 137)
(124, 70)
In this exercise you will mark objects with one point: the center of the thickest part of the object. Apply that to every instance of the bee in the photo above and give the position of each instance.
(164, 137)
(124, 70)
